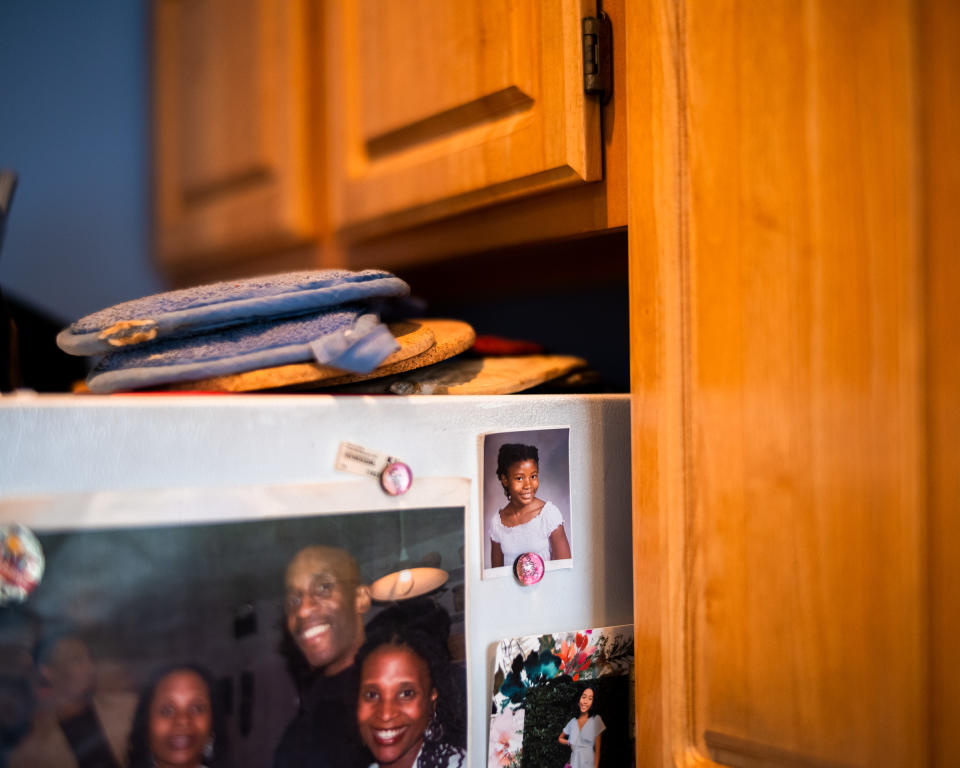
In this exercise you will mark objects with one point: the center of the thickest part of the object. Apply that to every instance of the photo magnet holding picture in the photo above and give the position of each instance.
(528, 568)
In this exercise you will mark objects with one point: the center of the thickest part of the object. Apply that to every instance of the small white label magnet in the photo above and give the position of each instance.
(394, 475)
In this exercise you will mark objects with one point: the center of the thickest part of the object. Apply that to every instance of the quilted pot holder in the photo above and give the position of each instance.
(347, 338)
(218, 305)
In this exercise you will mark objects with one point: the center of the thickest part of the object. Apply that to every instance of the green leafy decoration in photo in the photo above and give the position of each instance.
(547, 712)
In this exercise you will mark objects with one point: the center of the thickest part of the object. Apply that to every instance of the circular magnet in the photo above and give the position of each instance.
(528, 568)
(396, 478)
(21, 563)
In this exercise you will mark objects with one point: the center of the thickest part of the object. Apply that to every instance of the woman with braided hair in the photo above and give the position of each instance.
(410, 710)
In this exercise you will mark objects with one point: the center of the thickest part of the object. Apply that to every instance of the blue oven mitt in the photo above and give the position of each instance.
(349, 338)
(217, 305)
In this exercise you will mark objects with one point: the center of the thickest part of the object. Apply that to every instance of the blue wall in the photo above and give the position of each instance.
(74, 111)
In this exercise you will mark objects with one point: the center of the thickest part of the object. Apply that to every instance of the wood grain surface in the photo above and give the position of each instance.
(791, 380)
(233, 142)
(417, 137)
(940, 109)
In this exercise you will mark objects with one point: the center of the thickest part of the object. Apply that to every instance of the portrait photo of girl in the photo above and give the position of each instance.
(564, 700)
(526, 498)
(582, 732)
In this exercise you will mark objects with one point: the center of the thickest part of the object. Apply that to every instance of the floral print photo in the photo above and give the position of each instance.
(537, 681)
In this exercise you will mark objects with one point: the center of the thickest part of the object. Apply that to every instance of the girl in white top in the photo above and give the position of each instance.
(526, 523)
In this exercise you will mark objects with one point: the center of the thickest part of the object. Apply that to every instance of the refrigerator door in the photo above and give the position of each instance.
(67, 444)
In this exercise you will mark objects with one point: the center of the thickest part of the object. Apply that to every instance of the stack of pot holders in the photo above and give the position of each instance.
(328, 316)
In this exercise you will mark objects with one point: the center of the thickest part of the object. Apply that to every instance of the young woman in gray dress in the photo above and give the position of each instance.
(582, 733)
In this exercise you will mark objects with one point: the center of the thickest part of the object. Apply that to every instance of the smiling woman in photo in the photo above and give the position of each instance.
(409, 707)
(177, 722)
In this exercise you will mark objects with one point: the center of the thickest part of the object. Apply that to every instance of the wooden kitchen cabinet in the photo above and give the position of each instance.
(795, 380)
(374, 133)
(234, 146)
(468, 208)
(438, 107)
(792, 227)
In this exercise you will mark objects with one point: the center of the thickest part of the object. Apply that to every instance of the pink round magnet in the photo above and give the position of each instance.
(528, 568)
(396, 478)
(21, 563)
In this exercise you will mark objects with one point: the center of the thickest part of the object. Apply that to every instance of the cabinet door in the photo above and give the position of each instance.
(793, 193)
(437, 107)
(233, 162)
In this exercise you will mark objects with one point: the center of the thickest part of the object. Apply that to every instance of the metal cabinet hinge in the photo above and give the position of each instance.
(597, 56)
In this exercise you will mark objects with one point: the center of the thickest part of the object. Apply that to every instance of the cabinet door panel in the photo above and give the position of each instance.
(806, 336)
(940, 76)
(439, 107)
(416, 62)
(221, 65)
(233, 170)
(778, 271)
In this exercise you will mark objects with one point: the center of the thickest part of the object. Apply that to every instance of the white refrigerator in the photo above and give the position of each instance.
(166, 466)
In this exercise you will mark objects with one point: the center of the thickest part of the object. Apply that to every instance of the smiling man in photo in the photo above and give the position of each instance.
(323, 605)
